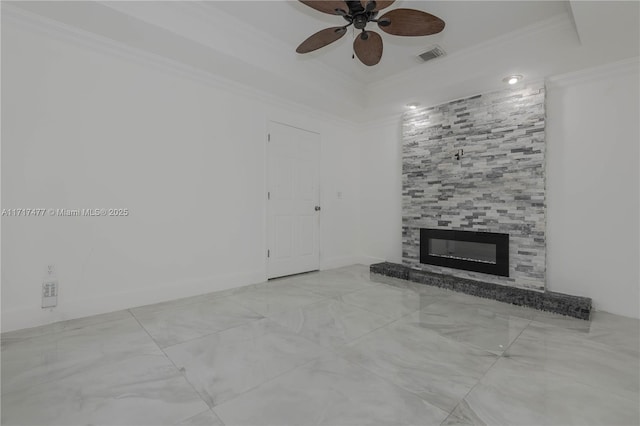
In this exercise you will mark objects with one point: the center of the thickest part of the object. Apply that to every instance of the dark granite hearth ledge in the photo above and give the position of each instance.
(564, 304)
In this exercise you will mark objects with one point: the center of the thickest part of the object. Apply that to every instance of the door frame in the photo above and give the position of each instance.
(266, 212)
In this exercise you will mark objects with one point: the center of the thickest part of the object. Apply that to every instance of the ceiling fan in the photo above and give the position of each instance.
(367, 45)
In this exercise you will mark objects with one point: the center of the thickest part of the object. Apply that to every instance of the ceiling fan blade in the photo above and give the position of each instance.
(410, 22)
(321, 39)
(368, 49)
(380, 4)
(327, 6)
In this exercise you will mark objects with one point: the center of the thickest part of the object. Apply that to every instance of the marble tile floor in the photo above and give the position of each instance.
(325, 348)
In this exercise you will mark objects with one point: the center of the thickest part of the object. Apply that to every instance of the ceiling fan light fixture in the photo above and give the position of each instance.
(512, 79)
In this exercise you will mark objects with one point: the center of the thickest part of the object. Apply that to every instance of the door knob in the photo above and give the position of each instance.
(317, 208)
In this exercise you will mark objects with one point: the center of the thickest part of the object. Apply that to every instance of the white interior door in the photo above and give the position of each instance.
(293, 216)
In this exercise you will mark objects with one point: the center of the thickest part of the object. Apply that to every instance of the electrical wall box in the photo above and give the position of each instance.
(49, 293)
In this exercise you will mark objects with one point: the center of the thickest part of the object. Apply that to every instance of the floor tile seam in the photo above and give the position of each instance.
(479, 380)
(528, 321)
(270, 314)
(577, 334)
(20, 340)
(346, 292)
(329, 349)
(576, 379)
(240, 305)
(386, 380)
(465, 344)
(297, 286)
(487, 308)
(496, 353)
(103, 361)
(217, 416)
(334, 354)
(131, 309)
(29, 387)
(252, 388)
(338, 298)
(372, 371)
(391, 321)
(111, 357)
(207, 335)
(202, 412)
(566, 329)
(584, 336)
(269, 317)
(162, 309)
(323, 300)
(513, 341)
(173, 308)
(287, 291)
(315, 358)
(362, 308)
(177, 369)
(211, 332)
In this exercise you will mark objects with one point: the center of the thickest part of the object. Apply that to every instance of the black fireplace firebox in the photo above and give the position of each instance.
(486, 252)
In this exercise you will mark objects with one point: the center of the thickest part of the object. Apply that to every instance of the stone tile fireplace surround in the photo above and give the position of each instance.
(478, 164)
(473, 171)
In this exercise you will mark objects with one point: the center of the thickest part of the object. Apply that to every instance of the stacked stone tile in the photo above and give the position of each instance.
(498, 185)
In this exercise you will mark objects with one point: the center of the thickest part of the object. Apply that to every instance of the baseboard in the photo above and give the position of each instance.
(34, 315)
(338, 262)
(369, 260)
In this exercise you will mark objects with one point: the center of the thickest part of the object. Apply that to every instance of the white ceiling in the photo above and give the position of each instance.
(252, 44)
(468, 23)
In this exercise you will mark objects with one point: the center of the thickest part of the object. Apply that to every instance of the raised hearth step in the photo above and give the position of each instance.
(564, 304)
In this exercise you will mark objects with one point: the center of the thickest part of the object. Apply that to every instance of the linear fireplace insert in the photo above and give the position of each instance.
(486, 252)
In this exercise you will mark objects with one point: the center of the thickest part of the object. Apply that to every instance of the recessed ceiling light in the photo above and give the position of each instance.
(512, 79)
(413, 105)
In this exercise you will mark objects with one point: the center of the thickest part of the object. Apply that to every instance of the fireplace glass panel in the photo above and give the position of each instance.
(463, 250)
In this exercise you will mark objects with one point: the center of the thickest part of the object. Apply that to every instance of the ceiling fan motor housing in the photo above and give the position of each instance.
(360, 21)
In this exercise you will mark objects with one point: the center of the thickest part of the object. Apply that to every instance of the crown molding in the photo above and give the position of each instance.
(610, 70)
(185, 16)
(205, 10)
(67, 33)
(555, 23)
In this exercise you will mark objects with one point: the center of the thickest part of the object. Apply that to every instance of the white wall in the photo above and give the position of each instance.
(592, 186)
(88, 128)
(381, 191)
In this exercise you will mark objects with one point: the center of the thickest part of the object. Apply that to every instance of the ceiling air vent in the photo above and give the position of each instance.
(433, 53)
